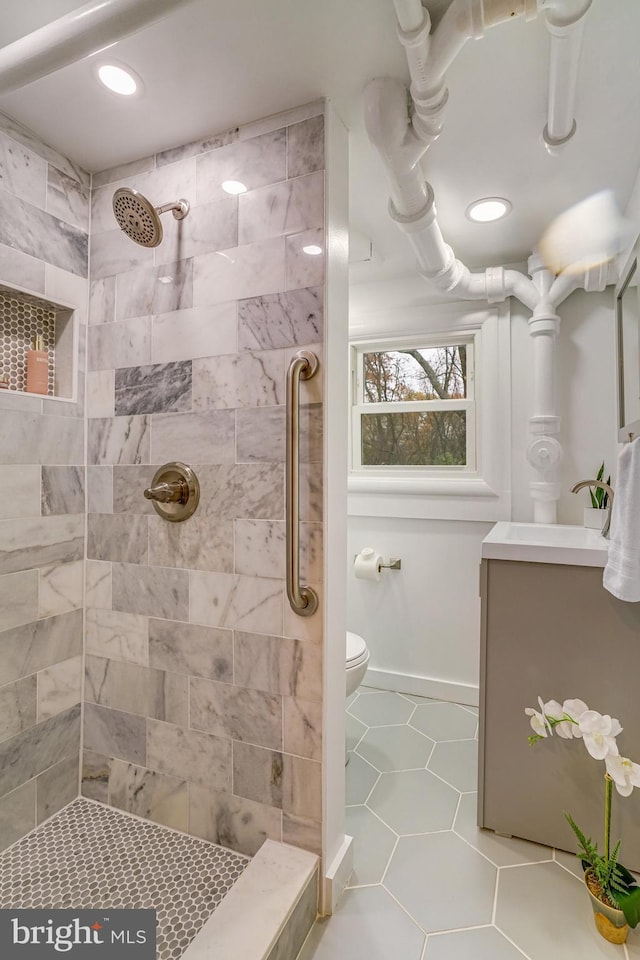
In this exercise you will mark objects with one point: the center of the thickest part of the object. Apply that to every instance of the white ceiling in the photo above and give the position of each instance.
(213, 65)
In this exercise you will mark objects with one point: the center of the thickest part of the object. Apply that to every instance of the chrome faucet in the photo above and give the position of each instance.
(608, 490)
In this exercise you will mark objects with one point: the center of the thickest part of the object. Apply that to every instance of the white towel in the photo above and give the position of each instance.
(622, 572)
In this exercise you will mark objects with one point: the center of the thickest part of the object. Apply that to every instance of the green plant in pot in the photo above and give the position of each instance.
(599, 501)
(614, 894)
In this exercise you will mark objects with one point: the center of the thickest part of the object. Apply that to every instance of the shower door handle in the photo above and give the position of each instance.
(303, 600)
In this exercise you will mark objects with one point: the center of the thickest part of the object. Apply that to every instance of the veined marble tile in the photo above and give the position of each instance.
(254, 490)
(189, 755)
(191, 649)
(136, 689)
(99, 489)
(281, 320)
(31, 438)
(260, 549)
(21, 270)
(278, 665)
(40, 235)
(233, 822)
(34, 750)
(304, 269)
(60, 588)
(117, 537)
(244, 380)
(153, 289)
(118, 440)
(283, 119)
(17, 813)
(98, 584)
(122, 171)
(129, 484)
(236, 712)
(159, 388)
(252, 270)
(22, 172)
(13, 401)
(102, 300)
(115, 635)
(197, 332)
(113, 253)
(62, 490)
(302, 832)
(62, 285)
(17, 707)
(123, 344)
(33, 646)
(260, 433)
(197, 147)
(56, 787)
(208, 227)
(28, 139)
(95, 776)
(303, 727)
(113, 733)
(24, 483)
(311, 491)
(151, 591)
(257, 773)
(305, 147)
(190, 437)
(67, 199)
(243, 603)
(36, 542)
(302, 787)
(281, 208)
(203, 543)
(101, 393)
(148, 794)
(254, 162)
(18, 599)
(59, 687)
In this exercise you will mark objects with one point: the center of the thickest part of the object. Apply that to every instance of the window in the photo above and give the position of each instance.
(414, 408)
(431, 413)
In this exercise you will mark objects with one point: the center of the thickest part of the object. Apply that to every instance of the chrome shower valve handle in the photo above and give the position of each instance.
(176, 491)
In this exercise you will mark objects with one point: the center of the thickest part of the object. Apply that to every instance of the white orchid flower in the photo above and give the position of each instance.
(624, 773)
(538, 723)
(599, 733)
(573, 709)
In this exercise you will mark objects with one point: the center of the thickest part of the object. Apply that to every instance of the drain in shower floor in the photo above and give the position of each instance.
(92, 856)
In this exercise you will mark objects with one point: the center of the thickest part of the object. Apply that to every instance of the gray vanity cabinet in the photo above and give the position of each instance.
(551, 630)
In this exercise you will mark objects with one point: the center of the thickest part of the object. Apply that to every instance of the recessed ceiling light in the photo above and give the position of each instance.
(234, 187)
(313, 250)
(118, 79)
(487, 209)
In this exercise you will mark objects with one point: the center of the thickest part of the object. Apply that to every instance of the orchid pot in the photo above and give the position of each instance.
(614, 894)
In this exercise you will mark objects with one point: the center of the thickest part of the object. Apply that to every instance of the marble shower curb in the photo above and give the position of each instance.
(267, 913)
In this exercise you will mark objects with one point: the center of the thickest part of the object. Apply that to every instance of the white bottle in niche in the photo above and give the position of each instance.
(37, 367)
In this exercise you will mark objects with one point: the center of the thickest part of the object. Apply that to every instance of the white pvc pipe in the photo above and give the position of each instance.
(410, 14)
(565, 23)
(76, 35)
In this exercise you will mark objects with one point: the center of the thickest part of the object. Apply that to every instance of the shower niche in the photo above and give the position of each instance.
(24, 316)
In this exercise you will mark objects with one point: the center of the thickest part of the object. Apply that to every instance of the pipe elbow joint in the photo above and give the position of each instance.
(563, 16)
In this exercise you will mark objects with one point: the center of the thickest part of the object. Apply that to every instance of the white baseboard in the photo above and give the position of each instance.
(423, 686)
(335, 879)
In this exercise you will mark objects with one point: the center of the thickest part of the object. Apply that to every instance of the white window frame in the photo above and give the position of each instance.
(478, 491)
(360, 407)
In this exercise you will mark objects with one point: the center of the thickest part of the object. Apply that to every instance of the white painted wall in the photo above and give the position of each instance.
(422, 623)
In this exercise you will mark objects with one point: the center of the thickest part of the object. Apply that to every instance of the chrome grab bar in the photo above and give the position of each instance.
(303, 600)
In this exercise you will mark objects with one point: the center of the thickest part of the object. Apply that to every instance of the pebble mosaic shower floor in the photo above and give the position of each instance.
(89, 855)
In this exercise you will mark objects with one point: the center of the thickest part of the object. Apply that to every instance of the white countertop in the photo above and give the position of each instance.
(545, 543)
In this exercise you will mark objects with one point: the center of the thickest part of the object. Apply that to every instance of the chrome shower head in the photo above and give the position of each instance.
(139, 219)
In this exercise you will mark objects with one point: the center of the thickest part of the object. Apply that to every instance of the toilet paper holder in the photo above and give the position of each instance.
(395, 563)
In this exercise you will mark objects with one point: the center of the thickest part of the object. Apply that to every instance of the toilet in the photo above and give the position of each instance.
(357, 660)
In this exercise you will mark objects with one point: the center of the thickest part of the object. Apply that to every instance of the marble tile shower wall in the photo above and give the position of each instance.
(203, 690)
(44, 221)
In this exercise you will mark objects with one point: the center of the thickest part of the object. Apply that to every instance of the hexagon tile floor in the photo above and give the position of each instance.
(427, 883)
(89, 855)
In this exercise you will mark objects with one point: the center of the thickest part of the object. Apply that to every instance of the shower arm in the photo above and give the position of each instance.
(180, 208)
